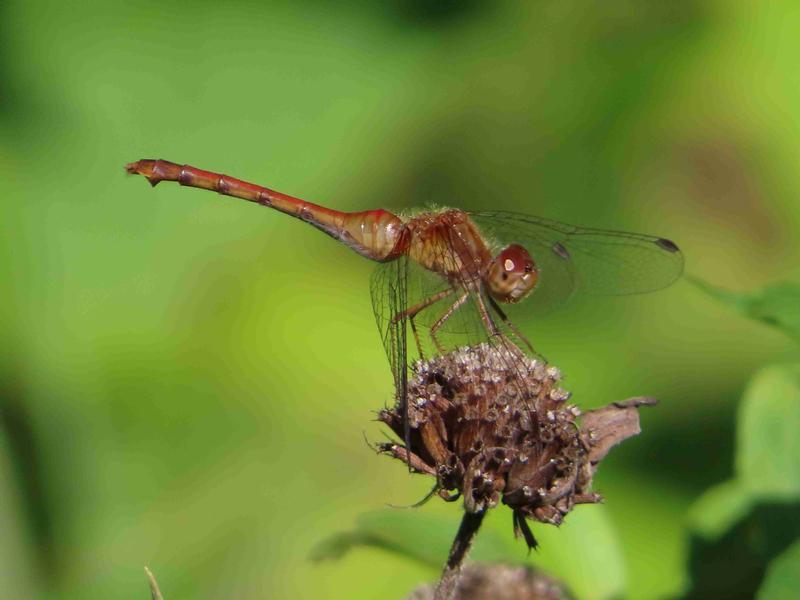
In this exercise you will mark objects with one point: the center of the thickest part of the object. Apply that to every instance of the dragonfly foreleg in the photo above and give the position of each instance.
(441, 320)
(509, 324)
(416, 337)
(485, 316)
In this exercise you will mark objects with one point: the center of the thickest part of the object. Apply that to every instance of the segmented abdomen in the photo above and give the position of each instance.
(375, 234)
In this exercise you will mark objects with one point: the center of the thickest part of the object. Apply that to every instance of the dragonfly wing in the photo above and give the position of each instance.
(602, 262)
(389, 292)
(420, 298)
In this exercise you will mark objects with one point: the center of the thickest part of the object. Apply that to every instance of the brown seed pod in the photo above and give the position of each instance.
(500, 582)
(492, 424)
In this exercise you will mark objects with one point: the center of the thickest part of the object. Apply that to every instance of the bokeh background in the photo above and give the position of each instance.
(186, 380)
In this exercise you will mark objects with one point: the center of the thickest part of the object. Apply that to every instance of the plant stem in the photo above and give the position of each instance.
(154, 591)
(470, 523)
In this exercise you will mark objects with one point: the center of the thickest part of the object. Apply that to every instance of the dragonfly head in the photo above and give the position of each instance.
(512, 274)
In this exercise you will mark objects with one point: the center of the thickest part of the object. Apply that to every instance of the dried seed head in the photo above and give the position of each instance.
(500, 582)
(491, 424)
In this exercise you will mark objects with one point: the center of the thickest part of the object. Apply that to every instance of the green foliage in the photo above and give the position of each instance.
(732, 565)
(400, 531)
(783, 576)
(768, 435)
(777, 305)
(741, 529)
(184, 378)
(584, 553)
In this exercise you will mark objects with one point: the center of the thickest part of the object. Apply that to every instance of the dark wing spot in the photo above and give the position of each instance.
(667, 245)
(559, 249)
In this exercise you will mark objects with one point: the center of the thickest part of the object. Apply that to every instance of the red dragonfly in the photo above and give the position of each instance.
(448, 274)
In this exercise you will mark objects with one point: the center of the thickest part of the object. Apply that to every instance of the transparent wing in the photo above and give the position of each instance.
(388, 288)
(593, 261)
(420, 313)
(400, 288)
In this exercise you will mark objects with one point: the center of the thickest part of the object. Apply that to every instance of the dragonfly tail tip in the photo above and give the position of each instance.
(144, 168)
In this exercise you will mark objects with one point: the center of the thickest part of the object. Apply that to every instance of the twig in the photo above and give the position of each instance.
(462, 543)
(154, 591)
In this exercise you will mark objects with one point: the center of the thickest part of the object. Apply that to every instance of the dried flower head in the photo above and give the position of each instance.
(492, 424)
(500, 582)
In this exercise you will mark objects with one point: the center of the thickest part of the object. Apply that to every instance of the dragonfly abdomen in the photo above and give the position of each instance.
(375, 234)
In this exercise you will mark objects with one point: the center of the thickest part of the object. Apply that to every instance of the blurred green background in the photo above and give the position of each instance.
(187, 380)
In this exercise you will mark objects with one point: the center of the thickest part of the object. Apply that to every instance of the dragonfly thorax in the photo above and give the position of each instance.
(512, 274)
(450, 244)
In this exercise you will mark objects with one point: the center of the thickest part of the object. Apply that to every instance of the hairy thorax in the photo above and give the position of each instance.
(448, 243)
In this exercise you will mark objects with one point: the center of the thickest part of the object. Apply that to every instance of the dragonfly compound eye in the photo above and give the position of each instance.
(512, 274)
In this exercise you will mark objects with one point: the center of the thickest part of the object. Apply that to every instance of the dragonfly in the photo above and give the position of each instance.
(455, 277)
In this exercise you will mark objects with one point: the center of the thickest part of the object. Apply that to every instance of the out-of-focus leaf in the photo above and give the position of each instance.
(777, 305)
(423, 537)
(740, 526)
(718, 509)
(768, 438)
(782, 581)
(583, 553)
(733, 564)
(18, 576)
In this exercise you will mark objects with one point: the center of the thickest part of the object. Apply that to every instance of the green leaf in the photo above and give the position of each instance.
(768, 437)
(719, 509)
(777, 305)
(583, 553)
(782, 581)
(398, 531)
(403, 531)
(733, 564)
(18, 576)
(740, 526)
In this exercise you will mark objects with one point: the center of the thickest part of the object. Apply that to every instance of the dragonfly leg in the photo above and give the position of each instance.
(409, 314)
(417, 308)
(509, 324)
(485, 316)
(416, 337)
(413, 311)
(441, 320)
